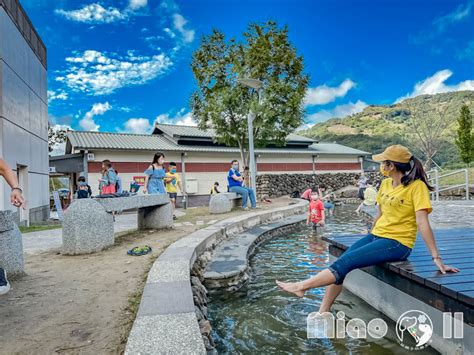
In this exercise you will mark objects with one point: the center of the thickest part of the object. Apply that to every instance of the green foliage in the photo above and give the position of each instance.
(55, 136)
(220, 102)
(378, 126)
(465, 135)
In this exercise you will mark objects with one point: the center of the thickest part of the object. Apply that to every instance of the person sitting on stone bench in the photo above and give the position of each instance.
(235, 184)
(17, 200)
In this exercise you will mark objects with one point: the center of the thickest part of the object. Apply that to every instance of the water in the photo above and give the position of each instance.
(261, 319)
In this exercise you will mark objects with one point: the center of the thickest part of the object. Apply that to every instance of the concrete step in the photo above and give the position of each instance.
(229, 264)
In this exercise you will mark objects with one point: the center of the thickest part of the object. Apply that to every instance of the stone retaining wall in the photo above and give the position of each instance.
(276, 185)
(172, 318)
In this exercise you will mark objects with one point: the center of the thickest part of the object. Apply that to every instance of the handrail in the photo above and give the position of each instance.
(439, 189)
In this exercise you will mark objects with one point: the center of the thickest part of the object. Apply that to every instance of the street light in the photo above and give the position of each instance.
(257, 85)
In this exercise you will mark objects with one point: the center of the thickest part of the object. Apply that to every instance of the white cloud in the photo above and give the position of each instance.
(461, 12)
(435, 84)
(339, 111)
(324, 94)
(103, 73)
(181, 119)
(169, 32)
(136, 4)
(93, 13)
(57, 95)
(138, 125)
(87, 123)
(179, 22)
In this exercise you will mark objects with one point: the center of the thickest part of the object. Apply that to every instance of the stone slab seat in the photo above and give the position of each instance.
(224, 202)
(11, 245)
(88, 224)
(230, 260)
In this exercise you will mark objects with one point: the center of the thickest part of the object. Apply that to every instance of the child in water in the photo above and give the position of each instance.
(316, 213)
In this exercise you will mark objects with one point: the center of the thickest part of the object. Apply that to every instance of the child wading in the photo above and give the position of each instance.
(403, 208)
(316, 212)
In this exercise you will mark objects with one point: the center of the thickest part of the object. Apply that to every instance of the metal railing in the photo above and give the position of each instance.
(434, 178)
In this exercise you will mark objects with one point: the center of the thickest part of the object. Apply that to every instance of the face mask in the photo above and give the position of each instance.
(236, 167)
(383, 171)
(173, 170)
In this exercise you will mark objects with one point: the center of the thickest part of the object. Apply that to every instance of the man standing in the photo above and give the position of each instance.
(17, 200)
(235, 182)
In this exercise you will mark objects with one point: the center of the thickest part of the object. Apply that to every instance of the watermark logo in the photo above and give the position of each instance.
(414, 330)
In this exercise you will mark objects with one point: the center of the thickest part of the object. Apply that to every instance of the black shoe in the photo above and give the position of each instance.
(4, 284)
(174, 217)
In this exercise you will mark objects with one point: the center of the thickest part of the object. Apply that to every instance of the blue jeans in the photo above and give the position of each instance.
(245, 192)
(368, 251)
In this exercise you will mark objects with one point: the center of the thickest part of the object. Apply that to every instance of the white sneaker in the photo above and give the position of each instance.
(4, 284)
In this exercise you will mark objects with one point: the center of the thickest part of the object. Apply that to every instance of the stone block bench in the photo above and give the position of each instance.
(88, 224)
(11, 245)
(224, 202)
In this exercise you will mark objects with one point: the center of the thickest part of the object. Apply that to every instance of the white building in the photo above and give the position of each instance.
(199, 159)
(23, 111)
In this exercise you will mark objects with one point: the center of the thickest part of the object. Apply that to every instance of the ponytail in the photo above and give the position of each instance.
(413, 170)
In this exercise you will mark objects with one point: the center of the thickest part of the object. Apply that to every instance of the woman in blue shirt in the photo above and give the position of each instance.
(154, 176)
(235, 183)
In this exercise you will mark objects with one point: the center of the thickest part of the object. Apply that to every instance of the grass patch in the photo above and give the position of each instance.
(39, 227)
(455, 179)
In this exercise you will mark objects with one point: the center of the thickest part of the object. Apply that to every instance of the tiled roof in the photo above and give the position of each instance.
(192, 131)
(126, 141)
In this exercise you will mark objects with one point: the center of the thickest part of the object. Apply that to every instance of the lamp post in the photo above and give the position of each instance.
(257, 85)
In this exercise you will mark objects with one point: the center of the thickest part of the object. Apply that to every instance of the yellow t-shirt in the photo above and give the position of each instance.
(172, 186)
(398, 205)
(370, 196)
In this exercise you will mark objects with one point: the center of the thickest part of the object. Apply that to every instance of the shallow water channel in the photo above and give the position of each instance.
(261, 319)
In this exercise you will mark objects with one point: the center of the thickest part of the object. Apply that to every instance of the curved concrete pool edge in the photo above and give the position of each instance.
(166, 321)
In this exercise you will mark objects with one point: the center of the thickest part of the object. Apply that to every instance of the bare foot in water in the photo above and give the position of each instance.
(292, 287)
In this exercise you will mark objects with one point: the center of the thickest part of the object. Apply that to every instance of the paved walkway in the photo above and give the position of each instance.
(37, 242)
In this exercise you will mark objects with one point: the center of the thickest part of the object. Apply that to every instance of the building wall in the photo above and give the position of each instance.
(23, 120)
(207, 168)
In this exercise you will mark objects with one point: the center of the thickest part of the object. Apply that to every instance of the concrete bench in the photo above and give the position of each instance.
(11, 245)
(88, 224)
(224, 202)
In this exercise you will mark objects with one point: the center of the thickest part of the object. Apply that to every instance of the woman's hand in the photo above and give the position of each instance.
(444, 268)
(144, 190)
(16, 198)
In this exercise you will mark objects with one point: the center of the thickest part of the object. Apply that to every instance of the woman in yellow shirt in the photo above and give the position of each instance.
(403, 208)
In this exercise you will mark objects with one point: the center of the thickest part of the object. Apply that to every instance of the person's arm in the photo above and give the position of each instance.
(147, 177)
(322, 222)
(16, 196)
(377, 216)
(237, 178)
(309, 215)
(428, 237)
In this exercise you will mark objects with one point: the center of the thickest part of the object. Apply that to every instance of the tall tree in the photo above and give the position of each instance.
(428, 126)
(56, 135)
(465, 136)
(266, 54)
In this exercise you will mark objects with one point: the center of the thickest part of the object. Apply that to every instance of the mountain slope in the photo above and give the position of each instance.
(380, 125)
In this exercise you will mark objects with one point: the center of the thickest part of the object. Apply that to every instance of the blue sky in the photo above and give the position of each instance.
(121, 65)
